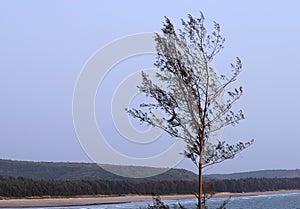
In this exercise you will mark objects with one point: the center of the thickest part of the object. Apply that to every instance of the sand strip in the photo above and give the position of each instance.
(228, 194)
(56, 202)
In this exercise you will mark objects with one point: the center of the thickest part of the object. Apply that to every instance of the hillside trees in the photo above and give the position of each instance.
(24, 187)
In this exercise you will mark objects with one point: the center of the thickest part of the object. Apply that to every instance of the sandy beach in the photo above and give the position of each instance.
(228, 194)
(52, 202)
(76, 201)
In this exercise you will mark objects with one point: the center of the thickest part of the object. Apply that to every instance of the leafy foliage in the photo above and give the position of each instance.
(190, 93)
(158, 204)
(196, 102)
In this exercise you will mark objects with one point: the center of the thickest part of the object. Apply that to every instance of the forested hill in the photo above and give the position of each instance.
(258, 174)
(80, 171)
(91, 171)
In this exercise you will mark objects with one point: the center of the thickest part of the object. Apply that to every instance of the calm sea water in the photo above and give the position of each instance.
(273, 201)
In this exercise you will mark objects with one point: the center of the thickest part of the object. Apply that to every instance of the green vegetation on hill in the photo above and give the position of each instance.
(91, 171)
(258, 174)
(22, 179)
(80, 171)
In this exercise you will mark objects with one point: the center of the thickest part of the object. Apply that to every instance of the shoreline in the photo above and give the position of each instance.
(82, 200)
(99, 200)
(228, 194)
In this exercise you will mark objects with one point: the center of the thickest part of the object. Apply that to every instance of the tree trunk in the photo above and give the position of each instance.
(200, 185)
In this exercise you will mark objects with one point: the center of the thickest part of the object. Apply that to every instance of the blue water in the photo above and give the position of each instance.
(272, 201)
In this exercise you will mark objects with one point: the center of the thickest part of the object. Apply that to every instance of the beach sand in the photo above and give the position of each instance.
(55, 202)
(228, 194)
(95, 200)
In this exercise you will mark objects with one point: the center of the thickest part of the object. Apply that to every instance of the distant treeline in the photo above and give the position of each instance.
(23, 187)
(255, 184)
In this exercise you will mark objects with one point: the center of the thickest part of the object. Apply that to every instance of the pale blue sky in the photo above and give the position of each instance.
(45, 44)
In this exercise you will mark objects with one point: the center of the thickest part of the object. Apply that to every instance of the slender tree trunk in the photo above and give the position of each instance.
(200, 185)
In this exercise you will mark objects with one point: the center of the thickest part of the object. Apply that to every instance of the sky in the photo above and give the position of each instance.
(46, 44)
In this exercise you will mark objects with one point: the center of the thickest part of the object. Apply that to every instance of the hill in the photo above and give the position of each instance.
(258, 174)
(81, 171)
(91, 171)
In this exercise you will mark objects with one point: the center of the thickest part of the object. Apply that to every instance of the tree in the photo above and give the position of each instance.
(195, 100)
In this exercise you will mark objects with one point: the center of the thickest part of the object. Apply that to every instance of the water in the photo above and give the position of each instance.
(271, 201)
